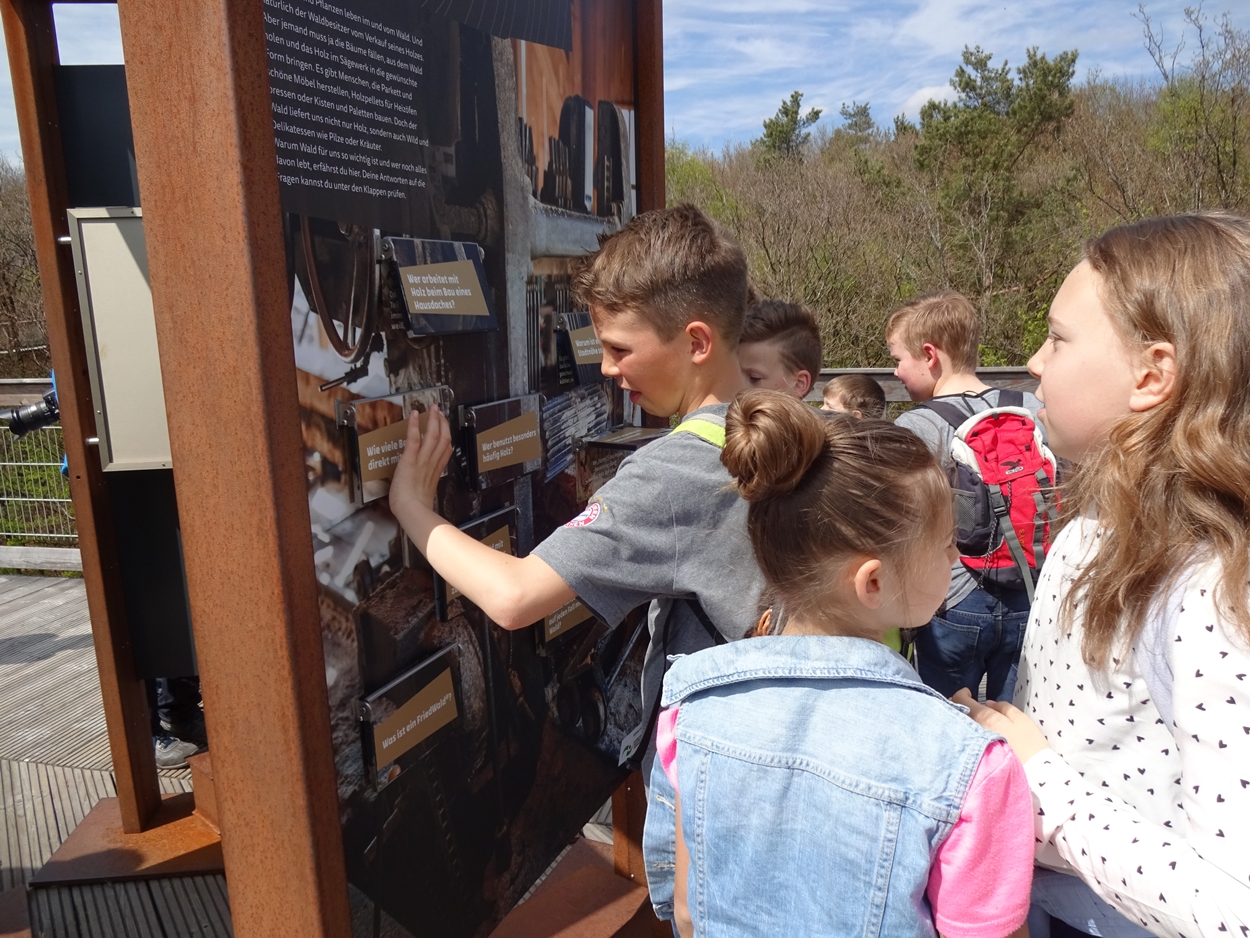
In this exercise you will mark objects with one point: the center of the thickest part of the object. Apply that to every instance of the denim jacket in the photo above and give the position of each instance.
(818, 778)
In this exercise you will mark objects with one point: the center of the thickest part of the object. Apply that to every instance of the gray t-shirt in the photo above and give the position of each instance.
(667, 527)
(938, 434)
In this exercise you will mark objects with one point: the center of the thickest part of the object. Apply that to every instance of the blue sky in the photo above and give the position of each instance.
(729, 63)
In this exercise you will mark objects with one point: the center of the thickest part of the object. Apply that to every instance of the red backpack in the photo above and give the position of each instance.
(1004, 483)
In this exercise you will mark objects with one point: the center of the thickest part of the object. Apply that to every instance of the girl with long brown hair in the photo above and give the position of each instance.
(1133, 695)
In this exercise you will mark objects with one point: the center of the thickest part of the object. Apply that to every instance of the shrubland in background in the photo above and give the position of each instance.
(991, 193)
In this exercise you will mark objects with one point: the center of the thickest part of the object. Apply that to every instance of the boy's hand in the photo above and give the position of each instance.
(416, 474)
(1022, 734)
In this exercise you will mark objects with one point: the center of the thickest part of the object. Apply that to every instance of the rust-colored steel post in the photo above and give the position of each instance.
(649, 75)
(203, 130)
(31, 40)
(629, 804)
(650, 72)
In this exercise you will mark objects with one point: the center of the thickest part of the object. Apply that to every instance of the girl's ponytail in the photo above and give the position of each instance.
(771, 441)
(822, 491)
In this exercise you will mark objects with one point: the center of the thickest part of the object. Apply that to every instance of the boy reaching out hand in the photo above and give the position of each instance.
(667, 295)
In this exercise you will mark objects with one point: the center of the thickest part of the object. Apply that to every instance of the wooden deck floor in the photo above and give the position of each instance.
(55, 765)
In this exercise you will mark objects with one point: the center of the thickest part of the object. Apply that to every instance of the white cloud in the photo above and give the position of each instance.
(946, 26)
(911, 107)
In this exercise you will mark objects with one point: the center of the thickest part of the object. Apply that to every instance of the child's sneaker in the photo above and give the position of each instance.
(171, 752)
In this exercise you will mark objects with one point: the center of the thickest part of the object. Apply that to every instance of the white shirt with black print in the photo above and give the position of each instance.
(1155, 818)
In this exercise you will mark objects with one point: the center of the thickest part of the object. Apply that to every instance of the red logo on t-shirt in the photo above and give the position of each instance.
(588, 516)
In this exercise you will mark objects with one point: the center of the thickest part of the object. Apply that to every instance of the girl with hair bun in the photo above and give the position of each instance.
(1134, 686)
(807, 782)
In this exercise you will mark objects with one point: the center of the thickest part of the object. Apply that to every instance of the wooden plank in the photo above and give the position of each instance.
(41, 558)
(12, 581)
(13, 852)
(63, 603)
(143, 910)
(41, 805)
(48, 607)
(107, 909)
(67, 610)
(221, 902)
(19, 586)
(51, 709)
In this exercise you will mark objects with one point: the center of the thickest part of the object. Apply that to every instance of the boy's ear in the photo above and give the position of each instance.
(702, 340)
(1156, 377)
(931, 359)
(868, 586)
(802, 382)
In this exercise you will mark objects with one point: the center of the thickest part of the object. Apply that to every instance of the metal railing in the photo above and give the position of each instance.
(1018, 378)
(35, 506)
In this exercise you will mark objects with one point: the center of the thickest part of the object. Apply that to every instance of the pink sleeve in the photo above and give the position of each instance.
(666, 746)
(980, 882)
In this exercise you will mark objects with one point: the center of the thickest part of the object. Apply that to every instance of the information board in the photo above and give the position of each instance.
(431, 155)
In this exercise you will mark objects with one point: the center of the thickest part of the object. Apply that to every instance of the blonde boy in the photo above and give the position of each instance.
(977, 633)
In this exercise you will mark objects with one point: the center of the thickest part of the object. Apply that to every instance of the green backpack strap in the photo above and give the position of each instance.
(713, 433)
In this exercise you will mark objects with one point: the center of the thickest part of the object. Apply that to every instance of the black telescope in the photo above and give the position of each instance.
(22, 420)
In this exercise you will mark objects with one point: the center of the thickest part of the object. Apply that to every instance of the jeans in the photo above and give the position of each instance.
(1072, 902)
(978, 637)
(174, 700)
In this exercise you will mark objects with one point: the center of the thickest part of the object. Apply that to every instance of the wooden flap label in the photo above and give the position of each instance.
(452, 288)
(432, 708)
(564, 618)
(380, 450)
(586, 347)
(513, 442)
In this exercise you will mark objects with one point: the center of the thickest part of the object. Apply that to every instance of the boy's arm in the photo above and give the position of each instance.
(513, 591)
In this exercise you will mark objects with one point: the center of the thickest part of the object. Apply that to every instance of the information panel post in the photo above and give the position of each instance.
(355, 208)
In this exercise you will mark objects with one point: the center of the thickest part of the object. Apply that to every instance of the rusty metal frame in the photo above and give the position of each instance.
(31, 39)
(649, 75)
(198, 81)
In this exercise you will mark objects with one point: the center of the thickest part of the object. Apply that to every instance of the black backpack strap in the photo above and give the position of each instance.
(713, 632)
(1010, 397)
(634, 761)
(948, 412)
